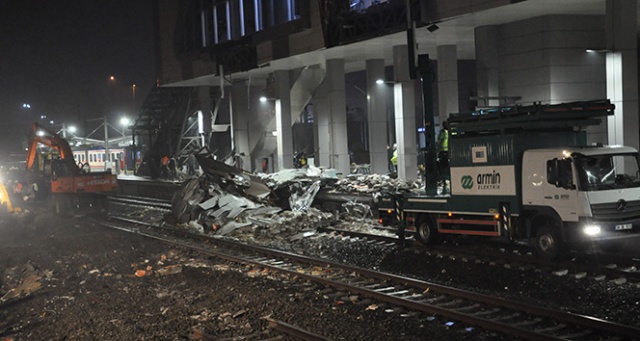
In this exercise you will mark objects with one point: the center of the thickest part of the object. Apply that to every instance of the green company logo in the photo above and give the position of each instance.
(467, 182)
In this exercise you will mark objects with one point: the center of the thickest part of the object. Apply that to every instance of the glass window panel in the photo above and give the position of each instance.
(221, 23)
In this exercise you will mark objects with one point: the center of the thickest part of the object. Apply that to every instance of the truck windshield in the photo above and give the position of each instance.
(602, 172)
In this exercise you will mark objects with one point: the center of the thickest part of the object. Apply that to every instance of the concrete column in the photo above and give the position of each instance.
(487, 64)
(206, 105)
(283, 121)
(405, 115)
(240, 122)
(447, 81)
(339, 155)
(321, 125)
(622, 72)
(377, 110)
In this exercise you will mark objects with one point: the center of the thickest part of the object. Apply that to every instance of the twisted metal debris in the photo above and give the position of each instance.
(282, 205)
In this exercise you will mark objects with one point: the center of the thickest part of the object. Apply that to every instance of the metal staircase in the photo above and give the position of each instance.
(158, 130)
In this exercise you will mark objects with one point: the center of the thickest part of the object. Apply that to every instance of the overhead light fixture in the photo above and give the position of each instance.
(382, 81)
(432, 28)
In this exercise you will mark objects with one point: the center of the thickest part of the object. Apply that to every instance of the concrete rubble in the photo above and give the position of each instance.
(227, 201)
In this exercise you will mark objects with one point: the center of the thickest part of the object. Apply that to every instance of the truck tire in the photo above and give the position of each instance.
(548, 243)
(427, 230)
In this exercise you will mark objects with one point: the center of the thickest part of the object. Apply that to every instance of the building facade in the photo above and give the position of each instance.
(339, 79)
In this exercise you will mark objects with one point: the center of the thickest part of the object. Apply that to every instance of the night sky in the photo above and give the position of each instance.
(57, 56)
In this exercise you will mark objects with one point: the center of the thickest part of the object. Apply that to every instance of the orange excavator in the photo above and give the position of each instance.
(60, 169)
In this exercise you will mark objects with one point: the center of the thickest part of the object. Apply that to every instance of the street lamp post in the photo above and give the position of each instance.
(133, 95)
(112, 80)
(124, 122)
(71, 129)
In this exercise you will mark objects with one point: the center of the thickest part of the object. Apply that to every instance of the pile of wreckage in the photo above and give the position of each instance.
(228, 201)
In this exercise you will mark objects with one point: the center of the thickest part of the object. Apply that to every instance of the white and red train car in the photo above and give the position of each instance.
(93, 160)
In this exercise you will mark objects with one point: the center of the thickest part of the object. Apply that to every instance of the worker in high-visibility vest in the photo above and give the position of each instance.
(443, 139)
(394, 157)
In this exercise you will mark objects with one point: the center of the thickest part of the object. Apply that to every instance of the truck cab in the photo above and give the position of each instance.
(585, 194)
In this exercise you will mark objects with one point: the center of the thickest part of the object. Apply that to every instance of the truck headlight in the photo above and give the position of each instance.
(591, 230)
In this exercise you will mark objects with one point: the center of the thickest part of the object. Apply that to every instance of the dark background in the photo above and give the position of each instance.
(58, 56)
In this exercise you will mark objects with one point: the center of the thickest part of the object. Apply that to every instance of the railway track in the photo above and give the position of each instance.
(142, 202)
(599, 267)
(509, 318)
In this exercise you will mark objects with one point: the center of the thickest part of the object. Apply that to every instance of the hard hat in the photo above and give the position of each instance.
(395, 145)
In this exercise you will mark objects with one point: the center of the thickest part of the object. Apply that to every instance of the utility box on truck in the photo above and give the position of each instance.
(528, 173)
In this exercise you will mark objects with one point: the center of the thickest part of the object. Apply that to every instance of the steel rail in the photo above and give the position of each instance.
(291, 330)
(141, 202)
(362, 235)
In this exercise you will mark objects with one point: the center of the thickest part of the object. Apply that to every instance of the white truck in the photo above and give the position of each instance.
(527, 173)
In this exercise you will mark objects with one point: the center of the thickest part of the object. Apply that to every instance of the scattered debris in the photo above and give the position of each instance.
(141, 273)
(26, 280)
(169, 270)
(30, 285)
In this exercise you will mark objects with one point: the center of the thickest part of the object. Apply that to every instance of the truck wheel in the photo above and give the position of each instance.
(547, 242)
(427, 231)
